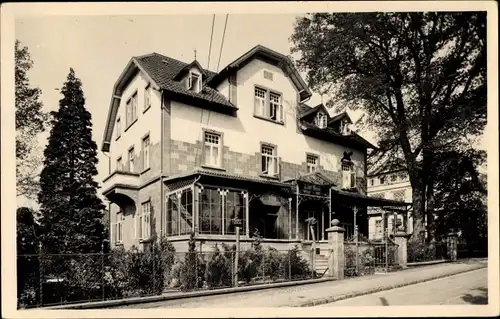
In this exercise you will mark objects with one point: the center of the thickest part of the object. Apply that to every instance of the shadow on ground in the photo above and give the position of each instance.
(477, 299)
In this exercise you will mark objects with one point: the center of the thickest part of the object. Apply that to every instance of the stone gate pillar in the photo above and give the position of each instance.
(452, 246)
(336, 248)
(401, 239)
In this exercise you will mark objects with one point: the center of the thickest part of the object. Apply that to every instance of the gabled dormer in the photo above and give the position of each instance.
(192, 76)
(317, 116)
(341, 123)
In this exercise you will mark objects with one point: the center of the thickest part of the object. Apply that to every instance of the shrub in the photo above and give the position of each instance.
(273, 264)
(193, 269)
(167, 253)
(296, 266)
(218, 271)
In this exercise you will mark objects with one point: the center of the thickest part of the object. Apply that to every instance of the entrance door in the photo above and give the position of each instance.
(317, 226)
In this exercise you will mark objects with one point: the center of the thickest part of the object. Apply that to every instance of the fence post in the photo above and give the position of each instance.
(401, 239)
(336, 247)
(452, 246)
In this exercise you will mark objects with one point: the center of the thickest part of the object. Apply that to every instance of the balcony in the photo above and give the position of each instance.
(122, 188)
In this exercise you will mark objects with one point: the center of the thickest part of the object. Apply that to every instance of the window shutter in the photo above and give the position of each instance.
(113, 233)
(353, 176)
(190, 82)
(281, 113)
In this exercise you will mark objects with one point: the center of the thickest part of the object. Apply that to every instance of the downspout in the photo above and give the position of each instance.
(109, 203)
(162, 200)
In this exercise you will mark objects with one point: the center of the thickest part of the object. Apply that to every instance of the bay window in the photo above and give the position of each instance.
(179, 216)
(218, 210)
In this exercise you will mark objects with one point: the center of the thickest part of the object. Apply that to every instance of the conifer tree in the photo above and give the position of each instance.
(71, 211)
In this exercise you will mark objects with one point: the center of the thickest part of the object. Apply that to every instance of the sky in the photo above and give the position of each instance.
(99, 47)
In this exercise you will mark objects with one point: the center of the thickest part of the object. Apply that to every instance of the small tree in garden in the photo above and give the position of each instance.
(166, 253)
(273, 264)
(218, 273)
(191, 272)
(296, 266)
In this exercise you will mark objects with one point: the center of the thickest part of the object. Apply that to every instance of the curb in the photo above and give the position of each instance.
(323, 301)
(183, 295)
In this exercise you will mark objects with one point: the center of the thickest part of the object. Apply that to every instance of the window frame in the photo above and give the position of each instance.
(144, 221)
(147, 97)
(310, 165)
(267, 104)
(172, 219)
(274, 160)
(131, 115)
(118, 128)
(146, 149)
(220, 147)
(131, 159)
(190, 81)
(321, 120)
(351, 172)
(119, 163)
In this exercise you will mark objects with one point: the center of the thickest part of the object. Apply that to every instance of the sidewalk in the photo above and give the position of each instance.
(319, 293)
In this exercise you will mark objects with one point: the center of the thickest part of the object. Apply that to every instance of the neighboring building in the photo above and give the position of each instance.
(191, 149)
(389, 181)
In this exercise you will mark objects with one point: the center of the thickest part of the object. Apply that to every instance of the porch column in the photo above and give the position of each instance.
(336, 247)
(247, 214)
(297, 214)
(322, 222)
(401, 239)
(196, 209)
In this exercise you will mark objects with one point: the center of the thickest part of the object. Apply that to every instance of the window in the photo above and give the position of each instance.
(146, 152)
(180, 213)
(119, 164)
(348, 175)
(118, 128)
(218, 210)
(399, 195)
(372, 181)
(131, 160)
(213, 149)
(269, 160)
(345, 128)
(382, 180)
(194, 82)
(131, 109)
(321, 120)
(120, 218)
(312, 163)
(147, 97)
(268, 105)
(144, 221)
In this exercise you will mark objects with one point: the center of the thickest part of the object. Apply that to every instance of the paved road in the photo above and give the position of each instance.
(463, 289)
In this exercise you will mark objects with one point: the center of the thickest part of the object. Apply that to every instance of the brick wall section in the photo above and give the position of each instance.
(185, 157)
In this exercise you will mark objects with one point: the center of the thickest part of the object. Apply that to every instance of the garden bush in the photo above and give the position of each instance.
(218, 271)
(296, 267)
(193, 269)
(274, 264)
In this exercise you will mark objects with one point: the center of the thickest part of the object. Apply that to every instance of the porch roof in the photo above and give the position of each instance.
(360, 199)
(316, 178)
(224, 175)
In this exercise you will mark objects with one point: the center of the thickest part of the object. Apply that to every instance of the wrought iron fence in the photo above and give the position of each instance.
(422, 252)
(45, 280)
(368, 257)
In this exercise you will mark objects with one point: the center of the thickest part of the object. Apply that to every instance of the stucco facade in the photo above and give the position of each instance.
(175, 125)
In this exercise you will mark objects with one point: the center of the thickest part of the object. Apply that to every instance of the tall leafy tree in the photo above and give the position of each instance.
(419, 77)
(30, 121)
(71, 211)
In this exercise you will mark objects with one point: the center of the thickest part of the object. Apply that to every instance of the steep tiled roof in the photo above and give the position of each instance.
(338, 117)
(163, 70)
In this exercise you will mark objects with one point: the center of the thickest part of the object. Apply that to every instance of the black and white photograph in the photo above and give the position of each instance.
(293, 156)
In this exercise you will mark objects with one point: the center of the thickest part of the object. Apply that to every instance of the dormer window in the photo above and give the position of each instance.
(194, 82)
(345, 128)
(321, 120)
